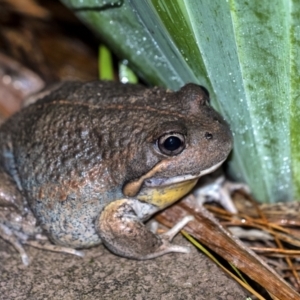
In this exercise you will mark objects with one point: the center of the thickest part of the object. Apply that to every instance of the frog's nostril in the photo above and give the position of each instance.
(208, 136)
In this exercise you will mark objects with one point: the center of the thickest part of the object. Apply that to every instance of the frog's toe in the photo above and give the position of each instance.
(8, 235)
(168, 248)
(46, 245)
(169, 235)
(165, 248)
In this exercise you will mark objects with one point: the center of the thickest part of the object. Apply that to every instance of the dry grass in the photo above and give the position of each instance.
(270, 233)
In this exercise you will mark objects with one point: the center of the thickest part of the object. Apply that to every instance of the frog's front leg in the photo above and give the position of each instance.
(121, 229)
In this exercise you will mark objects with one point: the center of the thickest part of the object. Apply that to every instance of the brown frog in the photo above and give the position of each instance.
(90, 162)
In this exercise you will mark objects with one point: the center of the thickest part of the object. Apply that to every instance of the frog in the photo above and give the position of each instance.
(89, 163)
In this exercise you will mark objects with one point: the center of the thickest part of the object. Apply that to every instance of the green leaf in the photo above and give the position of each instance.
(106, 70)
(246, 53)
(126, 75)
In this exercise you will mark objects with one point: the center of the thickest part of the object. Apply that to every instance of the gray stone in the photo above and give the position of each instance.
(102, 275)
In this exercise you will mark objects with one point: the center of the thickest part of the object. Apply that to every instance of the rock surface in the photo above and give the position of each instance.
(102, 275)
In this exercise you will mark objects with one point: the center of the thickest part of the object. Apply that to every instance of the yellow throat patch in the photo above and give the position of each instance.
(163, 196)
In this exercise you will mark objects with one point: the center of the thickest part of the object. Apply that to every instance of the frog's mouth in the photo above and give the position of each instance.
(157, 182)
(162, 192)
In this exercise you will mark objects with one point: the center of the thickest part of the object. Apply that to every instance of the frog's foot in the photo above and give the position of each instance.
(17, 239)
(9, 236)
(122, 231)
(220, 191)
(46, 245)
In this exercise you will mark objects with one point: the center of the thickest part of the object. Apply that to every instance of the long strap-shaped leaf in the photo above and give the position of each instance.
(247, 55)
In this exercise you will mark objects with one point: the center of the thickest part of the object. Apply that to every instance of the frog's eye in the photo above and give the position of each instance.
(171, 143)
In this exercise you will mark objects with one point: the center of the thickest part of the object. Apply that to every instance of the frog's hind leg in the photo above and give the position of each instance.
(121, 229)
(11, 209)
(10, 195)
(17, 242)
(17, 222)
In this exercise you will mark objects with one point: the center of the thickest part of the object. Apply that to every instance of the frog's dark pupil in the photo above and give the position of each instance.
(172, 143)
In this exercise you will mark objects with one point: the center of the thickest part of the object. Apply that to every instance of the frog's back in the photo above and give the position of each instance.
(63, 135)
(102, 93)
(78, 120)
